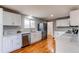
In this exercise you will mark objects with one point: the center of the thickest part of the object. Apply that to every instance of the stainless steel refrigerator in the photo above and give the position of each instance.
(43, 28)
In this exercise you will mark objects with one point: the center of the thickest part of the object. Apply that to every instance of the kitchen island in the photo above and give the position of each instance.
(67, 43)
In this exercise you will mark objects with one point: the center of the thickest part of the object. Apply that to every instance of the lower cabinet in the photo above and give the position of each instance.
(7, 44)
(11, 43)
(17, 42)
(35, 37)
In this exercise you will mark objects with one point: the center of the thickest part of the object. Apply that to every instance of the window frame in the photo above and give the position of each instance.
(30, 24)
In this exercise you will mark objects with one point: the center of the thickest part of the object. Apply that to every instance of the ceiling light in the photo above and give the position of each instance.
(30, 17)
(51, 15)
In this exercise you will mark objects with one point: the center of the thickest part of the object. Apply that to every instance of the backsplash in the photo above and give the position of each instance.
(10, 30)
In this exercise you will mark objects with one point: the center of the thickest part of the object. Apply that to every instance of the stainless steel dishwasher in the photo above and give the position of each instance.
(25, 39)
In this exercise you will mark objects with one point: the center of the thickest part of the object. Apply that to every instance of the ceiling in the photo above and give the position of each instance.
(44, 11)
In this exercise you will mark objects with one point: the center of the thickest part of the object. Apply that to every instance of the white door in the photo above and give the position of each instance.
(1, 28)
(50, 28)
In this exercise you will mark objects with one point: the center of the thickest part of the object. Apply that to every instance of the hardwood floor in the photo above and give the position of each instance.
(44, 46)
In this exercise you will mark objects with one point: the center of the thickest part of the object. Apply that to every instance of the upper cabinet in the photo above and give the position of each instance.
(74, 18)
(11, 19)
(72, 21)
(62, 22)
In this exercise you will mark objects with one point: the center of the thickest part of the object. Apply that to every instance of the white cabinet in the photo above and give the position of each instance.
(4, 44)
(11, 43)
(35, 36)
(11, 19)
(17, 20)
(62, 22)
(1, 37)
(17, 42)
(7, 18)
(1, 16)
(74, 18)
(1, 28)
(7, 44)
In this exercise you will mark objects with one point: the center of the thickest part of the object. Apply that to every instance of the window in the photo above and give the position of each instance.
(32, 24)
(26, 23)
(29, 23)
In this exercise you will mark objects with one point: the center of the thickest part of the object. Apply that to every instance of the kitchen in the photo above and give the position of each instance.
(19, 30)
(68, 30)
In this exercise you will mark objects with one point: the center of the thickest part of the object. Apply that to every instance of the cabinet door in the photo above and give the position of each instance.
(11, 19)
(14, 18)
(1, 16)
(1, 37)
(7, 44)
(62, 23)
(1, 28)
(4, 49)
(17, 20)
(17, 42)
(14, 42)
(7, 18)
(74, 18)
(33, 38)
